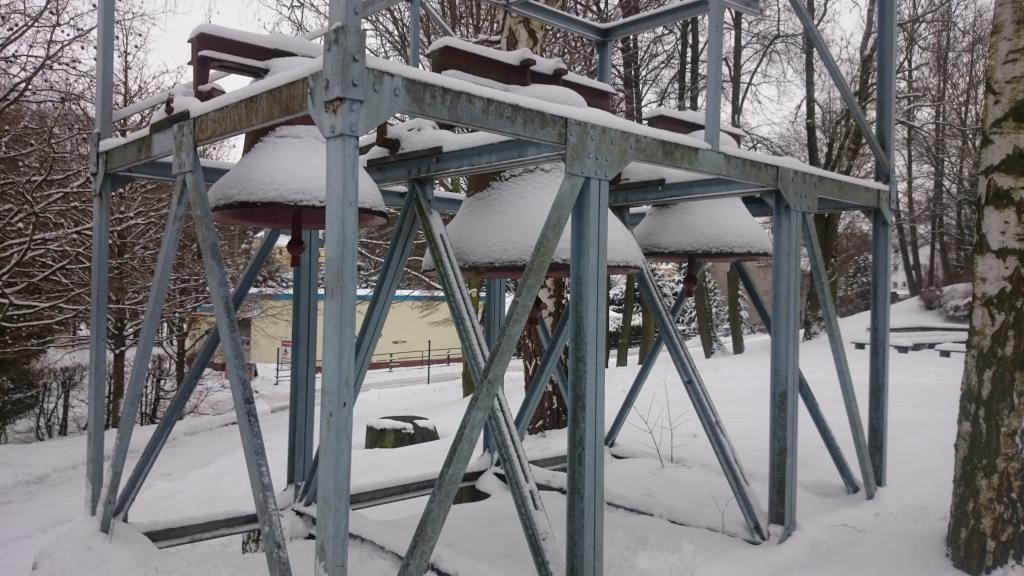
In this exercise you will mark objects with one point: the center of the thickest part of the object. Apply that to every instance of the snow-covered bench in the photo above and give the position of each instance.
(947, 349)
(921, 340)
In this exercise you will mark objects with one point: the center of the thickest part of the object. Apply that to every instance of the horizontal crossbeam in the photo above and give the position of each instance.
(432, 96)
(664, 16)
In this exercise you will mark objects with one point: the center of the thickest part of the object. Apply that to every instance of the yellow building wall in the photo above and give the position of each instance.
(411, 323)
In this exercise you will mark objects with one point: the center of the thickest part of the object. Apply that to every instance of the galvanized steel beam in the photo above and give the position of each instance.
(487, 158)
(98, 291)
(414, 33)
(556, 343)
(144, 347)
(399, 248)
(337, 98)
(713, 94)
(176, 409)
(835, 340)
(812, 33)
(881, 242)
(878, 375)
(785, 346)
(703, 406)
(494, 314)
(99, 272)
(656, 192)
(641, 376)
(421, 95)
(806, 394)
(555, 17)
(301, 401)
(549, 364)
(488, 400)
(587, 311)
(241, 391)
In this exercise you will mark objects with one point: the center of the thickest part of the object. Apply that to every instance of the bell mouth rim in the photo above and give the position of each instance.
(275, 215)
(674, 257)
(555, 270)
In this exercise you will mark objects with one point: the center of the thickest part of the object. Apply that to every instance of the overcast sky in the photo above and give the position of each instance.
(171, 42)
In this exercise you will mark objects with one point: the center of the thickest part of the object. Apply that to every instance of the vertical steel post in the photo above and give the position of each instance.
(549, 363)
(713, 97)
(399, 248)
(338, 120)
(641, 377)
(144, 348)
(604, 61)
(414, 33)
(494, 315)
(494, 308)
(556, 345)
(176, 408)
(710, 421)
(241, 391)
(881, 249)
(100, 257)
(785, 344)
(806, 394)
(835, 340)
(305, 305)
(338, 388)
(588, 307)
(486, 400)
(296, 367)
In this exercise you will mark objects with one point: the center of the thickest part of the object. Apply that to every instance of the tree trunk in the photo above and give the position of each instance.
(468, 385)
(827, 229)
(117, 342)
(626, 330)
(986, 526)
(180, 351)
(65, 408)
(694, 64)
(682, 92)
(648, 332)
(736, 103)
(706, 328)
(607, 322)
(732, 284)
(552, 412)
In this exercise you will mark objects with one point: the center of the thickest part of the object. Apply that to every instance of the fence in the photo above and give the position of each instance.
(402, 359)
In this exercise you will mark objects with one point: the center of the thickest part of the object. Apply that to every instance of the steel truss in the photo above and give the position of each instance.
(351, 95)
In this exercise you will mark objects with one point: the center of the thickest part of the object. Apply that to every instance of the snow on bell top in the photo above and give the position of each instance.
(711, 229)
(282, 183)
(495, 230)
(714, 229)
(286, 171)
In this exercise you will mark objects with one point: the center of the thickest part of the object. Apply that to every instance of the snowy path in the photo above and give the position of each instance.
(201, 473)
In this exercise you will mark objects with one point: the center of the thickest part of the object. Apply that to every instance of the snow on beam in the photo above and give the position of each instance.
(486, 158)
(632, 195)
(436, 97)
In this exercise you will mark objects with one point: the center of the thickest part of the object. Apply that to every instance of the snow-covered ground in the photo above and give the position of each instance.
(201, 475)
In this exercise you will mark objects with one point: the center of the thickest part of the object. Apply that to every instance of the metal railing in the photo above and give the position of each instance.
(424, 358)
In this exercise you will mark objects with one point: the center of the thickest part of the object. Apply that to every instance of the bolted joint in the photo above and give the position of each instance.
(184, 148)
(352, 116)
(798, 190)
(344, 68)
(94, 153)
(595, 151)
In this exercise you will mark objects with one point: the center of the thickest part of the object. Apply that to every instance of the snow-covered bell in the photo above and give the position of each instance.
(717, 229)
(495, 230)
(281, 183)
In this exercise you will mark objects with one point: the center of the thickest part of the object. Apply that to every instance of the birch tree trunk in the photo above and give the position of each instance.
(986, 526)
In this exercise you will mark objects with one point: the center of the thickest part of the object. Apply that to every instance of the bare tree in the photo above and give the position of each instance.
(985, 526)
